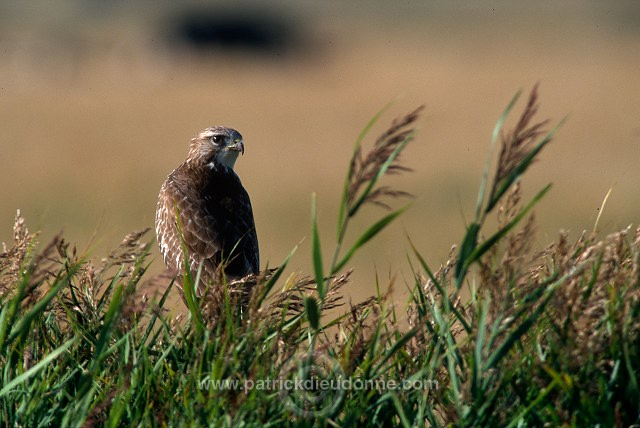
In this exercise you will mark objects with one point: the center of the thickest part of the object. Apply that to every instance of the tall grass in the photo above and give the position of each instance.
(548, 336)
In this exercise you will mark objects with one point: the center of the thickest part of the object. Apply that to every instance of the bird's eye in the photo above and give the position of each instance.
(217, 139)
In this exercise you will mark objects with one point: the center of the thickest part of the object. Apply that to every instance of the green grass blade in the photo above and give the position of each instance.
(399, 409)
(275, 277)
(156, 314)
(452, 360)
(467, 248)
(626, 352)
(9, 313)
(382, 171)
(104, 300)
(517, 333)
(188, 288)
(367, 236)
(36, 368)
(520, 169)
(343, 202)
(541, 396)
(445, 297)
(398, 345)
(487, 165)
(4, 324)
(479, 348)
(110, 319)
(22, 327)
(188, 283)
(312, 308)
(317, 250)
(480, 250)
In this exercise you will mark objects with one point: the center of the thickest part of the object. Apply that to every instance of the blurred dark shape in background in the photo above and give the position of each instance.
(250, 31)
(141, 42)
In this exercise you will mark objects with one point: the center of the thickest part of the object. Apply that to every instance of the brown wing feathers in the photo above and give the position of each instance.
(216, 219)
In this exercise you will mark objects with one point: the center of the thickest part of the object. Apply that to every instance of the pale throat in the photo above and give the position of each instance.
(226, 158)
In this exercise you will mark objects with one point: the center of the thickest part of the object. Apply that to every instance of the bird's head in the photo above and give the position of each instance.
(217, 147)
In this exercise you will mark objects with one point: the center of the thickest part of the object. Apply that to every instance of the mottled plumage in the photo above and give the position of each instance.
(214, 210)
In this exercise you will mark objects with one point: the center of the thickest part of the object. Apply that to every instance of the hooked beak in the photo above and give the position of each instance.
(237, 146)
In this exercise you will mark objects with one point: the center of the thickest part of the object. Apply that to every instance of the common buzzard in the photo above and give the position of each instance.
(213, 209)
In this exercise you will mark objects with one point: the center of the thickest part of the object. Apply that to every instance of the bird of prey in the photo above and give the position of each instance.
(205, 200)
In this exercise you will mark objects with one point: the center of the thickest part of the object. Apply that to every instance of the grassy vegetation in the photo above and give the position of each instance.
(548, 336)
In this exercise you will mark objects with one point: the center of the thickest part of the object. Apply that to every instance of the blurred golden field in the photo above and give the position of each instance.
(97, 108)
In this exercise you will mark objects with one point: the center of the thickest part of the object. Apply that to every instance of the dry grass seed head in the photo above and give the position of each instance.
(364, 168)
(594, 305)
(88, 296)
(517, 144)
(427, 325)
(12, 259)
(21, 261)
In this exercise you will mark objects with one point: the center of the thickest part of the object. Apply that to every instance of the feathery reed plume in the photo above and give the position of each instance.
(13, 257)
(382, 159)
(519, 149)
(517, 144)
